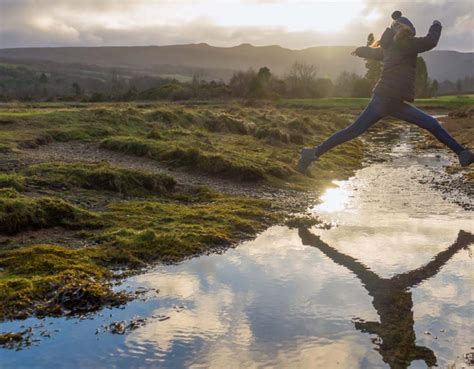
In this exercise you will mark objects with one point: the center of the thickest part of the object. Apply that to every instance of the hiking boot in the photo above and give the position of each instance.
(466, 157)
(308, 155)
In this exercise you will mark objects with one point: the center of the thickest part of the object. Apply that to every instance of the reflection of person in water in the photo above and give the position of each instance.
(393, 300)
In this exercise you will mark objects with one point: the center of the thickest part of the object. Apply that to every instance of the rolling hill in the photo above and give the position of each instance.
(220, 62)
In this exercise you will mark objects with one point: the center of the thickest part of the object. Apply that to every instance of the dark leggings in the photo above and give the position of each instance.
(381, 107)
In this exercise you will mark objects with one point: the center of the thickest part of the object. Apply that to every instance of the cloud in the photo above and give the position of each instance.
(25, 23)
(457, 18)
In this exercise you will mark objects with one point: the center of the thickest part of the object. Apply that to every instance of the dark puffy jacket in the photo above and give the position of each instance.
(397, 80)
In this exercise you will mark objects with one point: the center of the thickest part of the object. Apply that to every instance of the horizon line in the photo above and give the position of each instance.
(197, 44)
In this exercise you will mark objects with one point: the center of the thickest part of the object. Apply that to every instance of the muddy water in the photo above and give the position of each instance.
(391, 285)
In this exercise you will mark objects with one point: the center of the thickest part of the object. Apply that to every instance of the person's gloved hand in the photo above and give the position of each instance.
(356, 51)
(437, 22)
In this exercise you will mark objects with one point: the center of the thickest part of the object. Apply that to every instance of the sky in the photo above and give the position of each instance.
(295, 24)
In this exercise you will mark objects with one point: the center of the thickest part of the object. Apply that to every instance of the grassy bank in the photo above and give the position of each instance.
(86, 219)
(234, 142)
(52, 279)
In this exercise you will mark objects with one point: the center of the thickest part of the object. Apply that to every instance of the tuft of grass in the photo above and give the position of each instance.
(19, 213)
(195, 158)
(227, 123)
(52, 280)
(163, 115)
(99, 177)
(14, 181)
(10, 338)
(32, 127)
(14, 340)
(142, 232)
(272, 134)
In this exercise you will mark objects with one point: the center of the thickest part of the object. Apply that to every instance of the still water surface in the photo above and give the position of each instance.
(391, 286)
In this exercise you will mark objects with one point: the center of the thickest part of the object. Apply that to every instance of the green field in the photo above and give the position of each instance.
(441, 102)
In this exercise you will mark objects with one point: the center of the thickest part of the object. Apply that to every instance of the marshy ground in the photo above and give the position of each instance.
(85, 190)
(88, 192)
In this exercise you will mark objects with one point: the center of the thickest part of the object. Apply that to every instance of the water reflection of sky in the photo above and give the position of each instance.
(282, 303)
(290, 307)
(257, 307)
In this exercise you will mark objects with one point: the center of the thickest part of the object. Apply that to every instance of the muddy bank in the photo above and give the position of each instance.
(453, 181)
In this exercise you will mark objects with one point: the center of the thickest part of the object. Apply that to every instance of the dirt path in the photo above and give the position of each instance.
(294, 201)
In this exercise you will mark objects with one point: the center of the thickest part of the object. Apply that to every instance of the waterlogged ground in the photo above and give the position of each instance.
(389, 286)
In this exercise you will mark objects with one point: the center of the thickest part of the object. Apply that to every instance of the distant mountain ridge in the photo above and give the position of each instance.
(221, 62)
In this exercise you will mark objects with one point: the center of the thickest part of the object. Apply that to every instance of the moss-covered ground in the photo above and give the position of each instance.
(159, 224)
(129, 218)
(226, 141)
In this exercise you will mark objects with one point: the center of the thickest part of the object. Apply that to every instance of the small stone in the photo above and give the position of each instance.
(117, 328)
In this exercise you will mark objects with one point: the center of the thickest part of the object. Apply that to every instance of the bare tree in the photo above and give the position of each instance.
(301, 79)
(303, 72)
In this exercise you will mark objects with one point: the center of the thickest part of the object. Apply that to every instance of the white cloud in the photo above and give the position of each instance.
(294, 24)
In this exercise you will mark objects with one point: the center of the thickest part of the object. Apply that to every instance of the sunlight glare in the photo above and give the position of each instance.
(294, 16)
(334, 199)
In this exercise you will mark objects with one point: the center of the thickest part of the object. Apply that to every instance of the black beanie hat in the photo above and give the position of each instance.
(397, 17)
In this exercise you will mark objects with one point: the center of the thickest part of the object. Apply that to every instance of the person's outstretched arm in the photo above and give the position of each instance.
(422, 44)
(414, 277)
(367, 52)
(367, 277)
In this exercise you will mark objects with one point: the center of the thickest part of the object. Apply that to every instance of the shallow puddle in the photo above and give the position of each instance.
(391, 285)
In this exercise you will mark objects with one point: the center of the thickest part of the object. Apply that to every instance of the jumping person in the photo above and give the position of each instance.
(398, 48)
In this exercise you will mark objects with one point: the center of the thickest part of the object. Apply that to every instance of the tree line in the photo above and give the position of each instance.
(301, 80)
